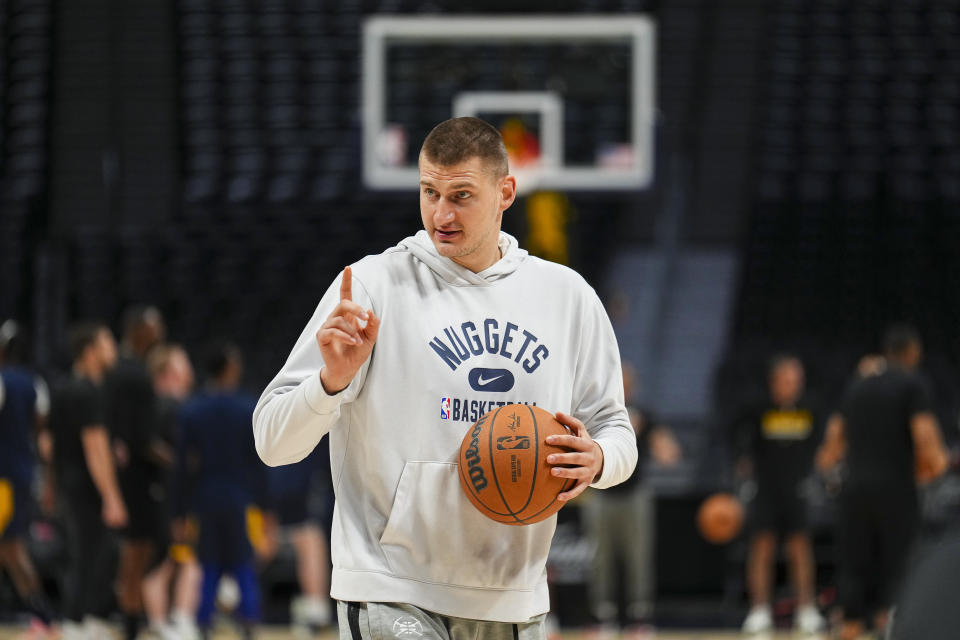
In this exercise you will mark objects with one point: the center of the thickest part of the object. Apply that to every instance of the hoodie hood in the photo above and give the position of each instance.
(422, 247)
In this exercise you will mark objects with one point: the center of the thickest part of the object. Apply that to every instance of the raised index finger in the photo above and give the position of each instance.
(346, 285)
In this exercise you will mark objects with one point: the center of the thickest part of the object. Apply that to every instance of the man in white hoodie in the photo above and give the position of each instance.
(404, 352)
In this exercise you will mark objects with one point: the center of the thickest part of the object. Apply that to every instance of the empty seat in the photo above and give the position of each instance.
(243, 188)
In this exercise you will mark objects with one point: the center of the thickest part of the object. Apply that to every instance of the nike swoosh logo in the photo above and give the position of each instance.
(485, 381)
(490, 380)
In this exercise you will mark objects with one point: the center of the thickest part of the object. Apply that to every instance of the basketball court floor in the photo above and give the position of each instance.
(283, 633)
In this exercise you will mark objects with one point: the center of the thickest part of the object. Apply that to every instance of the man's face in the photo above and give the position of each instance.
(914, 355)
(176, 379)
(462, 207)
(786, 383)
(106, 349)
(152, 331)
(184, 373)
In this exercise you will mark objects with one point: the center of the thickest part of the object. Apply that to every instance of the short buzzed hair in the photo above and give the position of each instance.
(458, 139)
(218, 355)
(83, 335)
(779, 360)
(898, 338)
(139, 315)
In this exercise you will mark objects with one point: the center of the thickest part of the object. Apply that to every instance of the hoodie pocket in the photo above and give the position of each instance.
(435, 534)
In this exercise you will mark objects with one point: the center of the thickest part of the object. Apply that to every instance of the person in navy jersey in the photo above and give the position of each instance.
(217, 460)
(24, 404)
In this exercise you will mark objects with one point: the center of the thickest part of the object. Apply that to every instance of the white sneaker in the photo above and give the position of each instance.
(315, 611)
(308, 615)
(807, 619)
(97, 628)
(164, 631)
(759, 619)
(72, 631)
(185, 626)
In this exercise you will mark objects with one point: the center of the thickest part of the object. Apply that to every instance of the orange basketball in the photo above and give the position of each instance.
(503, 465)
(720, 518)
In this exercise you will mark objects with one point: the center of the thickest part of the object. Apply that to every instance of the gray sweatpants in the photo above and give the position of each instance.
(394, 621)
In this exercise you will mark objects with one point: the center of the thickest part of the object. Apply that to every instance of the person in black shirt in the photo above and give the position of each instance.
(777, 441)
(142, 459)
(86, 483)
(889, 437)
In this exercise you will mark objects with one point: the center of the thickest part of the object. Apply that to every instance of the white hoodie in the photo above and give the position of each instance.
(452, 345)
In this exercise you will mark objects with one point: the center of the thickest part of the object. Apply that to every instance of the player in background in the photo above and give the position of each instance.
(888, 436)
(777, 440)
(24, 406)
(621, 521)
(218, 462)
(299, 494)
(87, 489)
(142, 458)
(172, 375)
(405, 350)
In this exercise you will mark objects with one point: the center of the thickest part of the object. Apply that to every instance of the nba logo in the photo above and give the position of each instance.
(444, 408)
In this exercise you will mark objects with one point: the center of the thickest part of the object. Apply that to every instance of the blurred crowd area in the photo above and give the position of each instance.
(646, 554)
(204, 157)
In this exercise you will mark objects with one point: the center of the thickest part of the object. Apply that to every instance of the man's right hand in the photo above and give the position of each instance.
(346, 339)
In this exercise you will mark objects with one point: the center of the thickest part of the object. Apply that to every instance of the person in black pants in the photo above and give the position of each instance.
(87, 487)
(143, 459)
(888, 435)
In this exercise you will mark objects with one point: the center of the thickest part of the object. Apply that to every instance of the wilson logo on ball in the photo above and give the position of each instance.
(472, 456)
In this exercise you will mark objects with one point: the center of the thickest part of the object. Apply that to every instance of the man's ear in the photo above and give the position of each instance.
(508, 192)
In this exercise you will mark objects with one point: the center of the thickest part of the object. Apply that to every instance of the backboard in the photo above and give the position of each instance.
(573, 94)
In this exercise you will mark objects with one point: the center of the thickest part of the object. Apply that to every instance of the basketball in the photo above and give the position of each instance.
(720, 518)
(503, 468)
